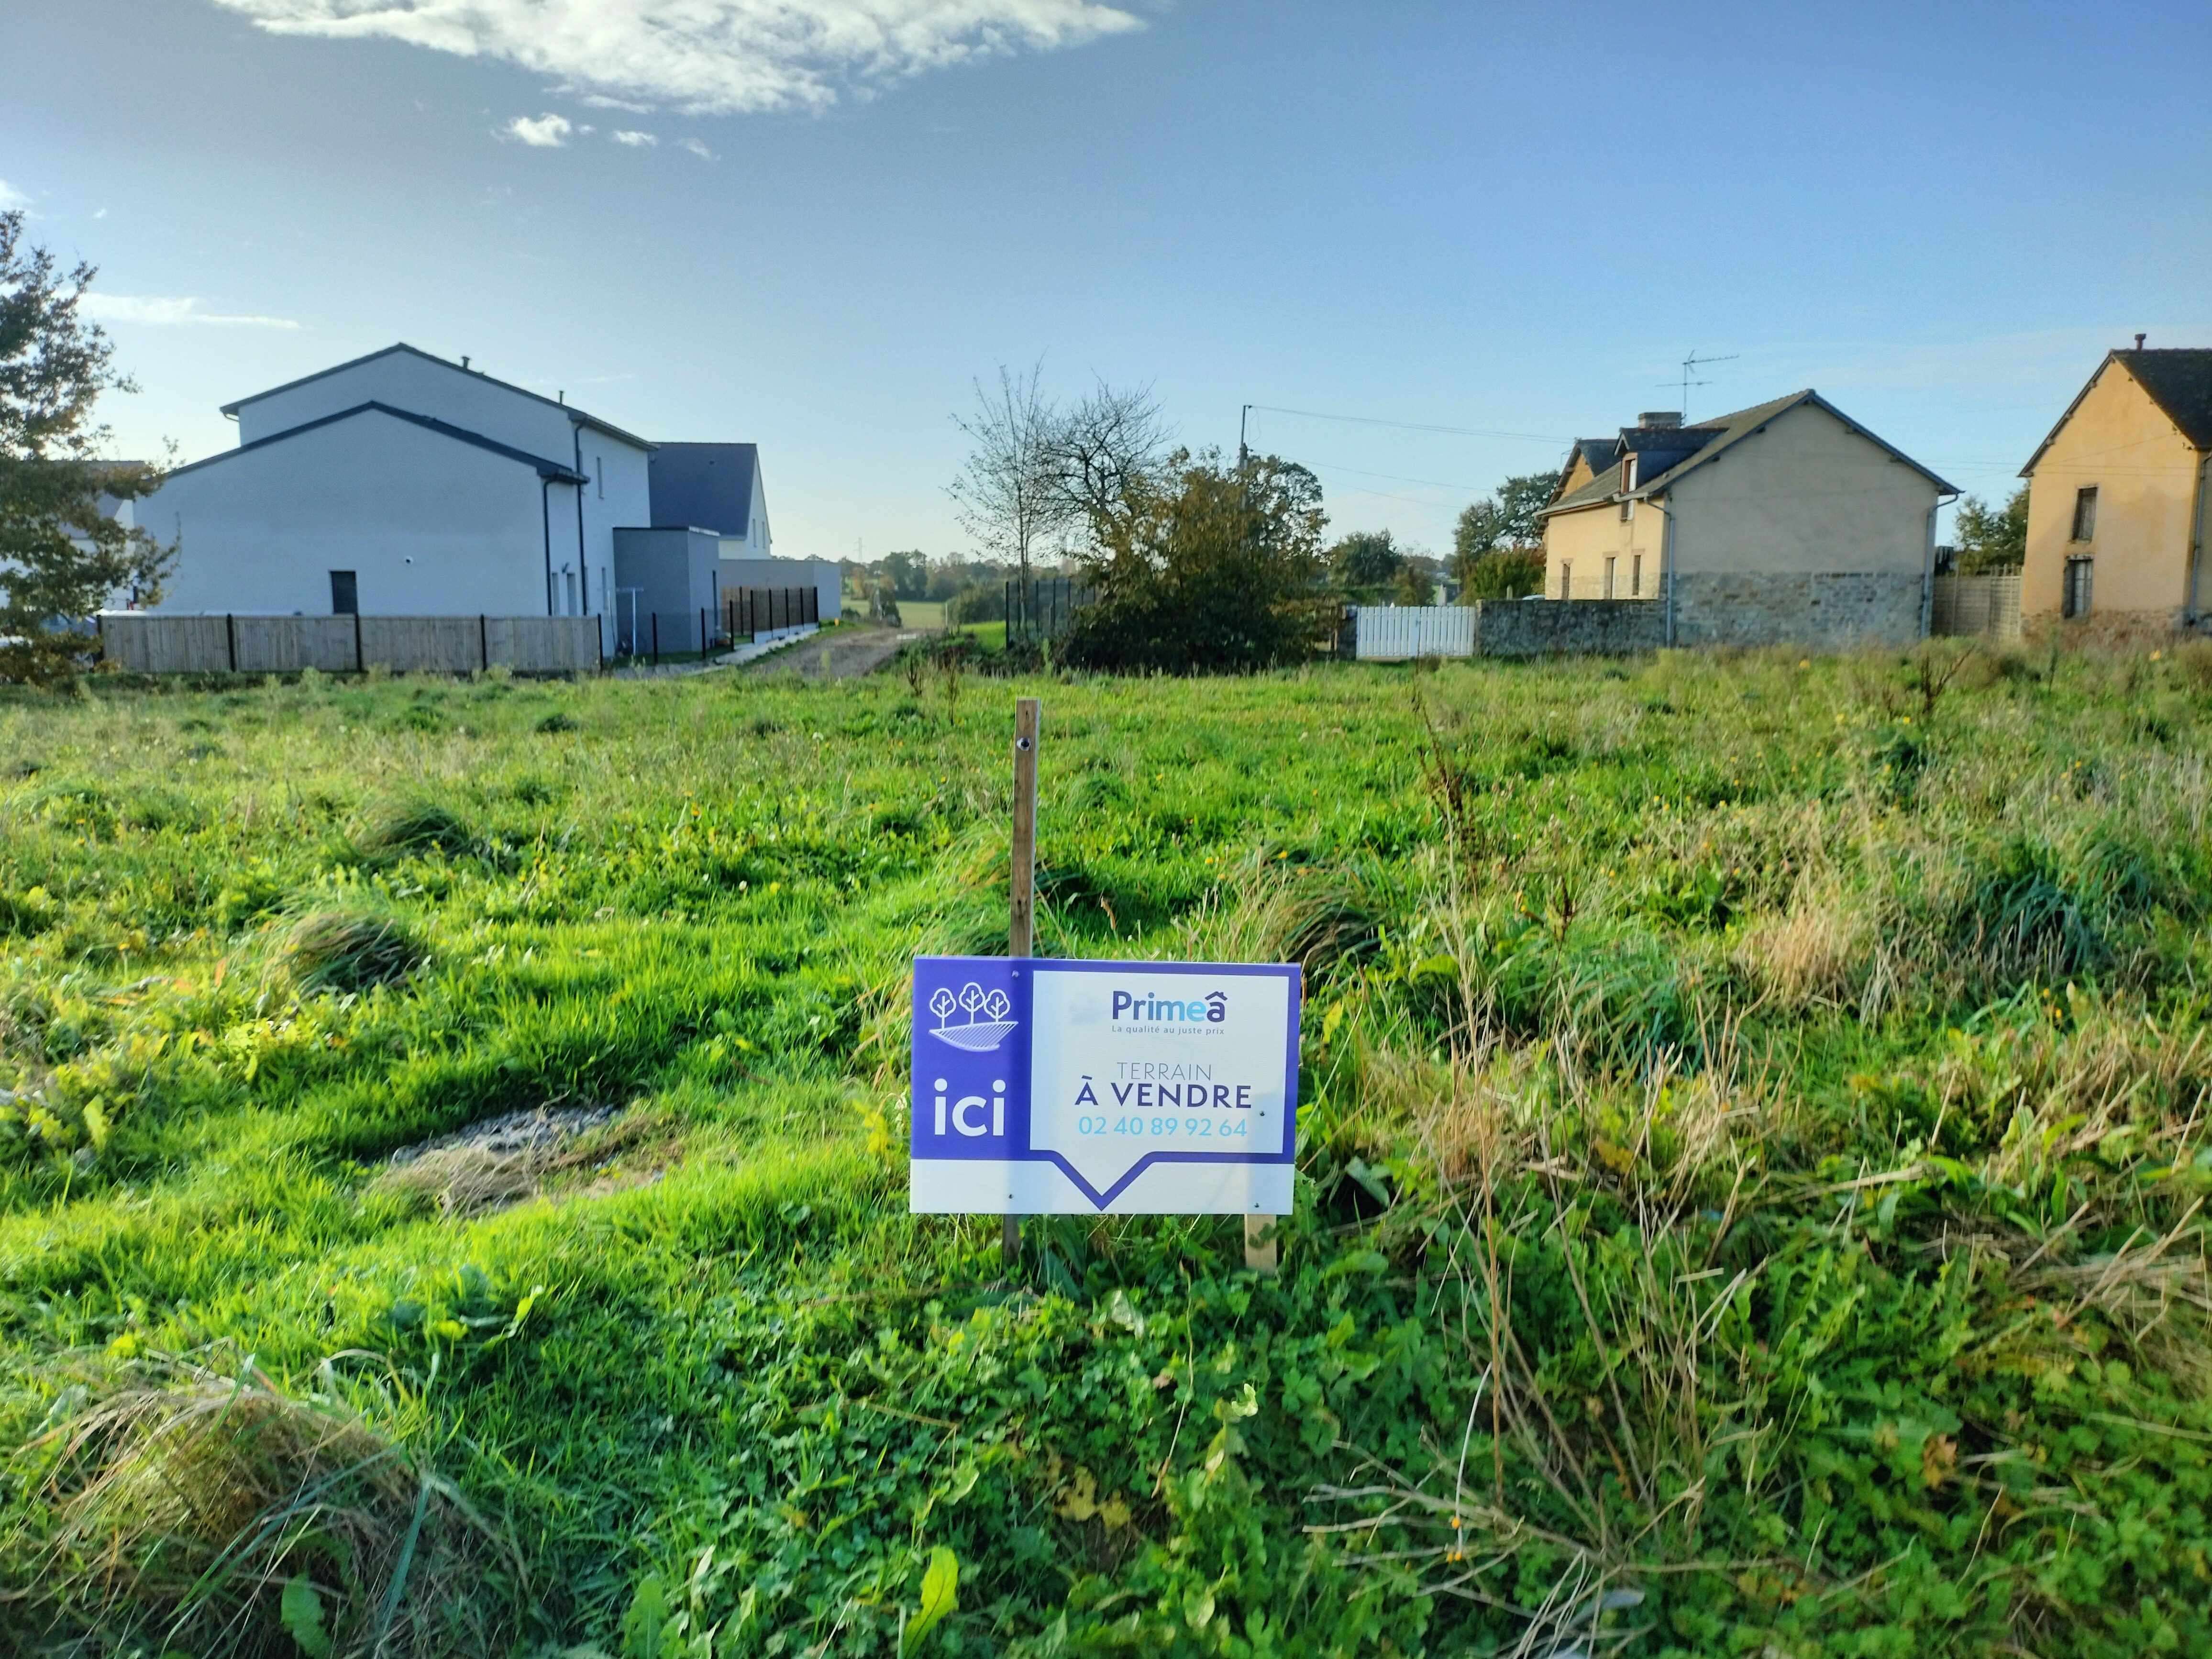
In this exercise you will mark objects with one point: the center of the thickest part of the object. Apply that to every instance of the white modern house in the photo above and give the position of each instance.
(402, 485)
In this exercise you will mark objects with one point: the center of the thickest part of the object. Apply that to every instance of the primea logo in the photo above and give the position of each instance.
(1150, 1005)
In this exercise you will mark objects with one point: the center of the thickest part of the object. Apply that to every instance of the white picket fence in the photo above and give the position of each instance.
(1393, 633)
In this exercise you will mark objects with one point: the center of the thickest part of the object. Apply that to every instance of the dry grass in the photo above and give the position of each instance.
(187, 1501)
(476, 1174)
(1818, 952)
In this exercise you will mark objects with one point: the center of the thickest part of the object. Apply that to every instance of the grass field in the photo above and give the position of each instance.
(1753, 1139)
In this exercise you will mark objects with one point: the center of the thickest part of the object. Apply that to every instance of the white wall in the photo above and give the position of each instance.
(619, 496)
(1809, 495)
(821, 574)
(431, 525)
(425, 385)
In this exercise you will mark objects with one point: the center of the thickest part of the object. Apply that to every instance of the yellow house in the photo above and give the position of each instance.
(1787, 521)
(2117, 498)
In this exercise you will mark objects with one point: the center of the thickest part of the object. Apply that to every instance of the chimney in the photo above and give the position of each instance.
(1662, 418)
(465, 360)
(2139, 339)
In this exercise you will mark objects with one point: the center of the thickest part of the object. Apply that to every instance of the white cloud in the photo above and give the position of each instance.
(696, 148)
(11, 197)
(709, 55)
(164, 312)
(546, 132)
(636, 140)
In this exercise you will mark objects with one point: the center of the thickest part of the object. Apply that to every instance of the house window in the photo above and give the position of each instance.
(345, 595)
(1566, 580)
(1609, 562)
(2085, 514)
(1636, 576)
(1627, 482)
(2074, 598)
(599, 474)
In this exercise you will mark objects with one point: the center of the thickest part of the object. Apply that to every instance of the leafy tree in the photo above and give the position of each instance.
(61, 558)
(1494, 543)
(907, 574)
(1505, 573)
(1992, 537)
(1414, 585)
(1198, 566)
(1366, 562)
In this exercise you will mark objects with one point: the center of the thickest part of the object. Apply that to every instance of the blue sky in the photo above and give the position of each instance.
(1513, 220)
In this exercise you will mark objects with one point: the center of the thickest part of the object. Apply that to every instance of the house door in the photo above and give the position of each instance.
(2074, 599)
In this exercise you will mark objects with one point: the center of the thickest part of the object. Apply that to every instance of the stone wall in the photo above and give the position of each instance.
(1827, 612)
(1536, 628)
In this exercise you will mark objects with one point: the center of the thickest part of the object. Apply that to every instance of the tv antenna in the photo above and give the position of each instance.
(1689, 365)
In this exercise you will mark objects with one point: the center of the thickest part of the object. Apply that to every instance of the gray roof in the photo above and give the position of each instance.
(1723, 434)
(2178, 379)
(560, 472)
(709, 485)
(578, 416)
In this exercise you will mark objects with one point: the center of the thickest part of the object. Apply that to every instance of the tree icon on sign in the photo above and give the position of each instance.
(990, 1016)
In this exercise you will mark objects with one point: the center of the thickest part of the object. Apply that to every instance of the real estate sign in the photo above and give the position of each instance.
(1045, 1087)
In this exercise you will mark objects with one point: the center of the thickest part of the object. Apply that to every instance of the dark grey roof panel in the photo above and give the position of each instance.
(560, 472)
(709, 485)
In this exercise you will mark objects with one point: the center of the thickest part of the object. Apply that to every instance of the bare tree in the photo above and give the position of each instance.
(1006, 495)
(1103, 448)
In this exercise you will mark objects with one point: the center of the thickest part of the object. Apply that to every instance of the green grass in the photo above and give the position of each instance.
(1753, 1123)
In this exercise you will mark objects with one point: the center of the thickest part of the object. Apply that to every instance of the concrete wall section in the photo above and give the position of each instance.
(676, 572)
(1832, 610)
(428, 523)
(2146, 475)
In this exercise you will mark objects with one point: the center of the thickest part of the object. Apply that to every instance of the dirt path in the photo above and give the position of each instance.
(840, 655)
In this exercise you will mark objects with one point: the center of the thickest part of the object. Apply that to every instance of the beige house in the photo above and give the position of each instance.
(2117, 504)
(1785, 522)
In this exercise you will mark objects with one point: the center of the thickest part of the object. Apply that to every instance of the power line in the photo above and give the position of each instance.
(1412, 426)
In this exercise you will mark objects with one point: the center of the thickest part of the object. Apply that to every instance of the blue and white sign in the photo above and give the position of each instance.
(1129, 1088)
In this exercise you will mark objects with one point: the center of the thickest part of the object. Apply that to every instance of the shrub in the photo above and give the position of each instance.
(414, 827)
(225, 1514)
(337, 951)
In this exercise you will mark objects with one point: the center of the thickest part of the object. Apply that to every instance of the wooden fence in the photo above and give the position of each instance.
(147, 643)
(1986, 607)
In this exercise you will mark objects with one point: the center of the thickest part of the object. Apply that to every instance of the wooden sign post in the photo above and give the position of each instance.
(1027, 713)
(1075, 1087)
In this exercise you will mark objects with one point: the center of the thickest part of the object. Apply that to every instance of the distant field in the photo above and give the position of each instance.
(1754, 1116)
